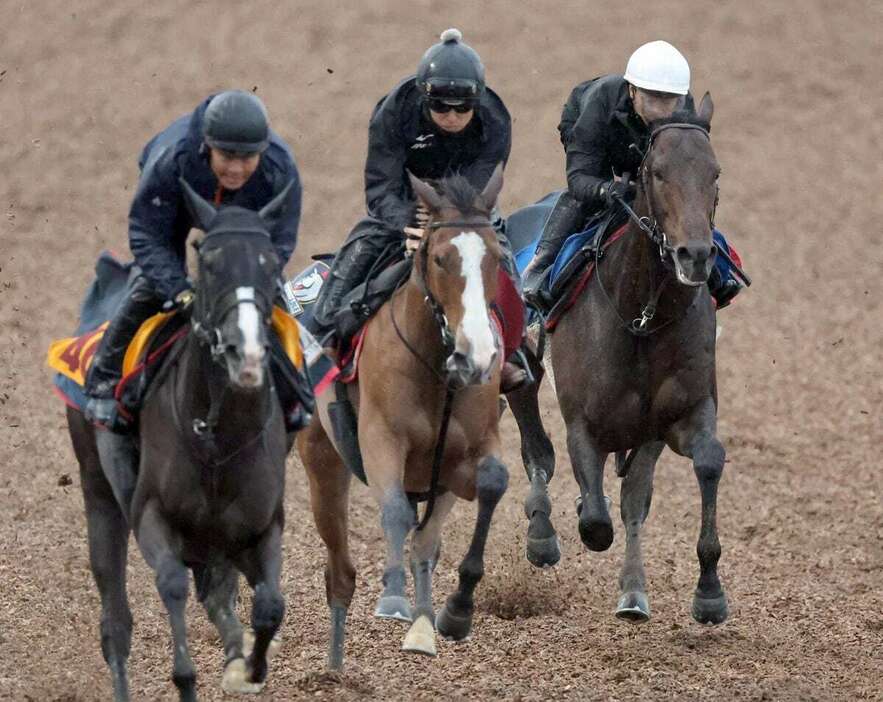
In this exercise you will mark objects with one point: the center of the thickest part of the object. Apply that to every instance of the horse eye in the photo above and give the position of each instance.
(439, 261)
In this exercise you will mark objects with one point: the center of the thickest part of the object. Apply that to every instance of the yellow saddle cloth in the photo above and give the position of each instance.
(72, 356)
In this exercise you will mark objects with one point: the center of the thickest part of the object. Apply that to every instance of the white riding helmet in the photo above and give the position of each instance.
(659, 66)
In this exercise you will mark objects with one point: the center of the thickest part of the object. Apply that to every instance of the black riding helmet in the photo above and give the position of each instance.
(236, 121)
(451, 70)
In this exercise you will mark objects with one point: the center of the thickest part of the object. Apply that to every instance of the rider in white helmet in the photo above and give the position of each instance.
(601, 121)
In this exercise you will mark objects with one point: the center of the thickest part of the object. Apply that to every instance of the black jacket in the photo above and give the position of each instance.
(159, 220)
(597, 126)
(402, 137)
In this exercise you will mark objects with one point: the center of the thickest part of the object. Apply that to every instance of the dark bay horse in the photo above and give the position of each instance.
(202, 485)
(434, 339)
(634, 359)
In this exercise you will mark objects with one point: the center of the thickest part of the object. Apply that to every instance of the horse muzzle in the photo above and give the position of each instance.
(693, 263)
(462, 370)
(247, 370)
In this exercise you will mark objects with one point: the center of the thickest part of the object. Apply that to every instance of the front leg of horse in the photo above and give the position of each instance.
(595, 525)
(425, 550)
(397, 519)
(262, 567)
(538, 456)
(455, 619)
(697, 439)
(156, 539)
(709, 601)
(635, 497)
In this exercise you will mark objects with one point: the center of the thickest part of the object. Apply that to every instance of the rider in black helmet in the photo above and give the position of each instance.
(441, 121)
(227, 152)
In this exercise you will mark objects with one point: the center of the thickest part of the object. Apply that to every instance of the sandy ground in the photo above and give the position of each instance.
(798, 132)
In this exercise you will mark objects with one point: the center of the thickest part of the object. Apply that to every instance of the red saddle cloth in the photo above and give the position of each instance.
(507, 312)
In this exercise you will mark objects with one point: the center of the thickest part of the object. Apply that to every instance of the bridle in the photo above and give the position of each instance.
(206, 326)
(435, 307)
(448, 343)
(211, 312)
(649, 225)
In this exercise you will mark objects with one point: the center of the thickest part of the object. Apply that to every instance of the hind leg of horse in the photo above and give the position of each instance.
(595, 525)
(262, 567)
(108, 534)
(329, 494)
(635, 497)
(158, 545)
(455, 619)
(425, 550)
(538, 456)
(697, 439)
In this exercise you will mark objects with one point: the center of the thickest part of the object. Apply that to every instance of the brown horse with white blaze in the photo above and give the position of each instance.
(431, 353)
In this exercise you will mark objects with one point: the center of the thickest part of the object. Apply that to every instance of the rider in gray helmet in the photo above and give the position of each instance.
(228, 154)
(441, 121)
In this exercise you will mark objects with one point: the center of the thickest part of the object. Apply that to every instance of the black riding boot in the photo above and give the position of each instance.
(351, 264)
(564, 220)
(140, 303)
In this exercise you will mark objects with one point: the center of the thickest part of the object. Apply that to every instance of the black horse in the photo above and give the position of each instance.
(202, 485)
(634, 360)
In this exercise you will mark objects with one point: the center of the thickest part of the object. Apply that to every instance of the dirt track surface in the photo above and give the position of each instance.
(798, 133)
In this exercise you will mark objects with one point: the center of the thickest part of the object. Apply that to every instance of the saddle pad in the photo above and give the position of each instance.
(72, 357)
(575, 278)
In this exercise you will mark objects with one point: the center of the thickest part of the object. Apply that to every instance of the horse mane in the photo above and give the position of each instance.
(457, 190)
(680, 117)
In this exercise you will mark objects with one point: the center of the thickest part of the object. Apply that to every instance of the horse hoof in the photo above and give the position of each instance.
(452, 626)
(248, 644)
(543, 553)
(596, 534)
(420, 637)
(394, 607)
(634, 607)
(236, 682)
(711, 610)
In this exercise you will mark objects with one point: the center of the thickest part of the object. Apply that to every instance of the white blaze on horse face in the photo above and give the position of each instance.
(476, 323)
(249, 320)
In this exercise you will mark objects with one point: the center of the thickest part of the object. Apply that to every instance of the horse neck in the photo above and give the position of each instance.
(202, 380)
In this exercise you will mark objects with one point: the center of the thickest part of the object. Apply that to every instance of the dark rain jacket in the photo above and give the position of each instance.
(402, 137)
(598, 124)
(159, 220)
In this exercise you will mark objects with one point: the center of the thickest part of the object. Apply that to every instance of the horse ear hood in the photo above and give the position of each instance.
(202, 211)
(275, 209)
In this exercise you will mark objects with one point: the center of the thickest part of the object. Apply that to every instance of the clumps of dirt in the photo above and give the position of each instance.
(523, 593)
(328, 682)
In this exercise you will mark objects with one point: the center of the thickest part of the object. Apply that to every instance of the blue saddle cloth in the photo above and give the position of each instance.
(525, 226)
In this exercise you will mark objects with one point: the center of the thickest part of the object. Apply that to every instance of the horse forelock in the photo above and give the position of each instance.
(462, 195)
(680, 117)
(234, 220)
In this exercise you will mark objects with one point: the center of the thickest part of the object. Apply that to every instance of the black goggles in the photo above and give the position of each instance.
(442, 107)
